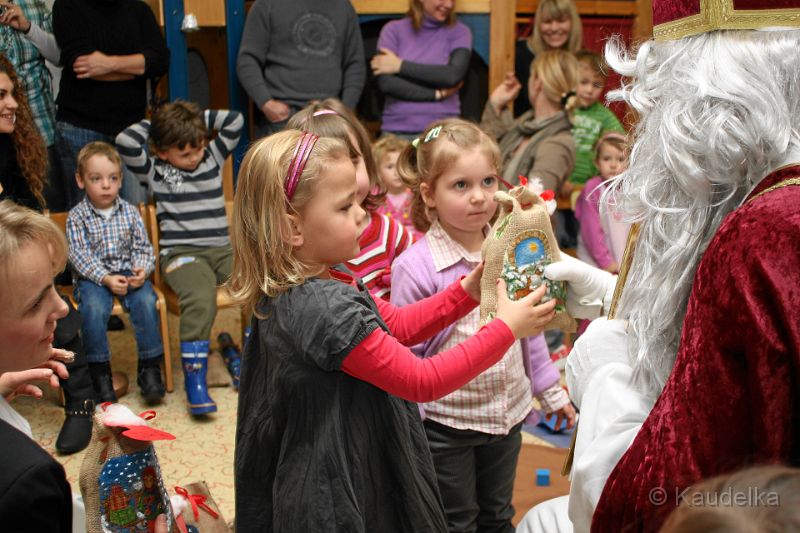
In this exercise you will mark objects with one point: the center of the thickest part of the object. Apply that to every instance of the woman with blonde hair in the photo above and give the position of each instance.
(556, 26)
(422, 61)
(539, 143)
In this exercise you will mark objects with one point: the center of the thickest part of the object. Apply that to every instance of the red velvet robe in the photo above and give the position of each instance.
(733, 398)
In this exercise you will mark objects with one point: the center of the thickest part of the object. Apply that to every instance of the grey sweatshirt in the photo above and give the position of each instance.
(301, 50)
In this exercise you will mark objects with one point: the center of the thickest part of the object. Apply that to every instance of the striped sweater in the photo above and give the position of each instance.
(190, 205)
(382, 241)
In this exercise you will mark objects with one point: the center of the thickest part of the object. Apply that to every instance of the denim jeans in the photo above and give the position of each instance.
(70, 140)
(95, 303)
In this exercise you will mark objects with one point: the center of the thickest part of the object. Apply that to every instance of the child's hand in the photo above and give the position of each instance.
(137, 280)
(567, 412)
(472, 282)
(116, 283)
(523, 317)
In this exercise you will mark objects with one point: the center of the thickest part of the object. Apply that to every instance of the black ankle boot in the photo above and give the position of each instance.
(151, 386)
(102, 381)
(77, 429)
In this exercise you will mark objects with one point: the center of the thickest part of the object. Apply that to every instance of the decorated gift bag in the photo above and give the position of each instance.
(518, 247)
(120, 477)
(196, 511)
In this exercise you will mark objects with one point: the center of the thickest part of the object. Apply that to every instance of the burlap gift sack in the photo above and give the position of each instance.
(520, 244)
(120, 477)
(196, 510)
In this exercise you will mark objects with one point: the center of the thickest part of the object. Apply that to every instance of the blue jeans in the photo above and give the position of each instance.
(70, 140)
(95, 303)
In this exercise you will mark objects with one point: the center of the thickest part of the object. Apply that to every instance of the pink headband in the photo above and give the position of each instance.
(300, 156)
(324, 112)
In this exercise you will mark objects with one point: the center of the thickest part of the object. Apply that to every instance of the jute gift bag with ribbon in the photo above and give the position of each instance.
(196, 511)
(518, 247)
(120, 477)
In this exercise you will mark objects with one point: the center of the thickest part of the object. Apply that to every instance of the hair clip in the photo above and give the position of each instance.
(415, 143)
(566, 96)
(302, 151)
(433, 134)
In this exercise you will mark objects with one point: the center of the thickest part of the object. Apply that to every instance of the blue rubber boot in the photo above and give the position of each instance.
(194, 356)
(231, 355)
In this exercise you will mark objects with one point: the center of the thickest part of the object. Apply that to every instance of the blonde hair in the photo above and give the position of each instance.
(446, 140)
(331, 118)
(263, 258)
(97, 148)
(557, 10)
(771, 497)
(387, 144)
(20, 225)
(559, 73)
(417, 14)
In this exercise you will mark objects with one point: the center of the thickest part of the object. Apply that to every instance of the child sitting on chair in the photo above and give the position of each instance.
(112, 257)
(184, 170)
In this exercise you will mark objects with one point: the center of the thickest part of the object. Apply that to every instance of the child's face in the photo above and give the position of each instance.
(555, 32)
(610, 161)
(101, 180)
(332, 221)
(387, 170)
(29, 309)
(463, 196)
(590, 86)
(186, 158)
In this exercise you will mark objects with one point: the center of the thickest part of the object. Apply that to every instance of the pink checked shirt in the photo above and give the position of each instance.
(499, 398)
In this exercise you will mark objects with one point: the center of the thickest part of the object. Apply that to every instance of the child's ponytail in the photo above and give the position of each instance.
(408, 170)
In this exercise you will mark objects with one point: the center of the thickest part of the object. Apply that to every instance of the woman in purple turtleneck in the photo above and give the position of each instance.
(421, 64)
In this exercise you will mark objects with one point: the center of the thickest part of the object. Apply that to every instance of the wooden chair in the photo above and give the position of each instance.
(223, 297)
(161, 305)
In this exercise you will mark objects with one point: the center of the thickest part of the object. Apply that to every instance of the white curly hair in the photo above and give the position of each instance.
(718, 112)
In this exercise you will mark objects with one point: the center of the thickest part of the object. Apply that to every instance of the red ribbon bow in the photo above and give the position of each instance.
(196, 500)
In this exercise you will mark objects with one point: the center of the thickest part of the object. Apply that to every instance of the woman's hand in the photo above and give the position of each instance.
(523, 317)
(385, 62)
(14, 17)
(505, 93)
(472, 282)
(13, 384)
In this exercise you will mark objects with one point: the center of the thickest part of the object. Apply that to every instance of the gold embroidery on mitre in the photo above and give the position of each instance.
(721, 15)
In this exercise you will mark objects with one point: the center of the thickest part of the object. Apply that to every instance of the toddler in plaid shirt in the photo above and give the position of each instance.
(112, 258)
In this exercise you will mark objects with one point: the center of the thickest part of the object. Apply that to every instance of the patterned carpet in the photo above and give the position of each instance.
(203, 448)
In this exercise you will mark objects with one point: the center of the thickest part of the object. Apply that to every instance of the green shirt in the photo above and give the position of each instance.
(589, 124)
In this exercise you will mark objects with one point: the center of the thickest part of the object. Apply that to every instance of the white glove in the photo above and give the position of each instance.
(589, 289)
(604, 342)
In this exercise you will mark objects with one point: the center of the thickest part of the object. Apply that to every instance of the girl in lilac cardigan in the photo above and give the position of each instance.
(474, 433)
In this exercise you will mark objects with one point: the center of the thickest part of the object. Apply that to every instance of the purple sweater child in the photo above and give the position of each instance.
(435, 57)
(418, 263)
(602, 237)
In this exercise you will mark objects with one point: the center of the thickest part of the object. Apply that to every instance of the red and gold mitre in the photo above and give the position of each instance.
(673, 19)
